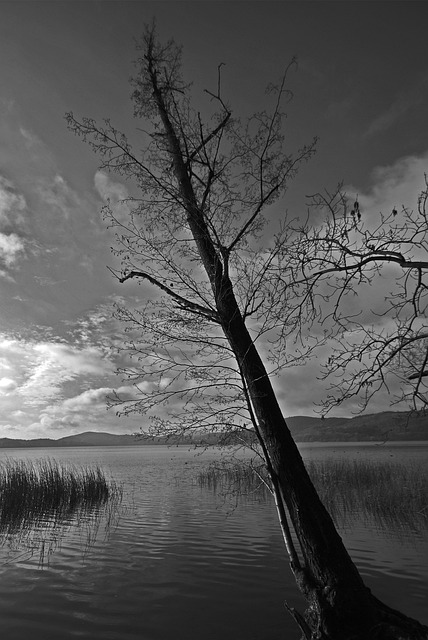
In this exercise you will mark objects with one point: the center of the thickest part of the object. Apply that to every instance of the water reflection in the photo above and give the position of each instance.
(391, 497)
(183, 563)
(42, 502)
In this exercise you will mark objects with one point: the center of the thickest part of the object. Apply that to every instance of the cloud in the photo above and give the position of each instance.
(90, 399)
(87, 411)
(300, 387)
(400, 107)
(396, 185)
(58, 195)
(12, 208)
(6, 276)
(93, 400)
(113, 193)
(109, 190)
(12, 204)
(75, 361)
(7, 385)
(96, 327)
(41, 385)
(10, 247)
(47, 281)
(387, 119)
(31, 140)
(133, 392)
(55, 364)
(38, 155)
(40, 370)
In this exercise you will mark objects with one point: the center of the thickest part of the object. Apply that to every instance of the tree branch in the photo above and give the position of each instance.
(188, 305)
(210, 136)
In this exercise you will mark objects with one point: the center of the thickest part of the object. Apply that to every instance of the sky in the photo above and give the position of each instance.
(361, 86)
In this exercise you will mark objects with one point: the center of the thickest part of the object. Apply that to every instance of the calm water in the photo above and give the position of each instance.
(181, 564)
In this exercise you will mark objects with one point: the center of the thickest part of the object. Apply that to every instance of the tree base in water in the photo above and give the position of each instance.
(376, 621)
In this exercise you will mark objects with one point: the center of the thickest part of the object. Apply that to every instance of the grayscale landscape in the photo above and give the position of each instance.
(213, 320)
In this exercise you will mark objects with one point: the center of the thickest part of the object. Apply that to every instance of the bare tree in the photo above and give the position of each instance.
(200, 234)
(346, 255)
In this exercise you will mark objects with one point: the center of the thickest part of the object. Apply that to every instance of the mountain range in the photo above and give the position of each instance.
(377, 427)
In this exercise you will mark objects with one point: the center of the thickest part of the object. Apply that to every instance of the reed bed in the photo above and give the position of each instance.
(236, 478)
(391, 496)
(35, 493)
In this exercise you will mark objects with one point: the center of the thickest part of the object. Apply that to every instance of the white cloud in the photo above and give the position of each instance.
(300, 387)
(76, 361)
(12, 207)
(12, 204)
(57, 194)
(18, 414)
(10, 247)
(81, 412)
(54, 364)
(96, 399)
(41, 369)
(4, 364)
(87, 411)
(41, 386)
(6, 276)
(30, 138)
(394, 185)
(38, 155)
(108, 189)
(92, 398)
(133, 392)
(7, 385)
(114, 193)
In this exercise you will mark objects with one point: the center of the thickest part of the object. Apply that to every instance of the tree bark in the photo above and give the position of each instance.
(340, 606)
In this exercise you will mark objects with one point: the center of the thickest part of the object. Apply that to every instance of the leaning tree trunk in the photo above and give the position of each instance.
(340, 606)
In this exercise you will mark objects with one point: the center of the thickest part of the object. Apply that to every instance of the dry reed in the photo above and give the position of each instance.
(389, 495)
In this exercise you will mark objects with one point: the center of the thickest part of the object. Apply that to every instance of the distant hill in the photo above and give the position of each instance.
(377, 427)
(388, 425)
(86, 439)
(95, 439)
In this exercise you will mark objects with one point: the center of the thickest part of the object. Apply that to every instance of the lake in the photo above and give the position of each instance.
(179, 563)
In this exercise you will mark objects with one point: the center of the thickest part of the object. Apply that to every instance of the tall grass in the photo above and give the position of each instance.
(237, 478)
(390, 496)
(38, 499)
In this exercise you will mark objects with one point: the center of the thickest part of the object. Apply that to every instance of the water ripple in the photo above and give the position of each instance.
(180, 564)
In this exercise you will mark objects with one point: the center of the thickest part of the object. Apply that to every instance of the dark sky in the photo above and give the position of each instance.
(361, 86)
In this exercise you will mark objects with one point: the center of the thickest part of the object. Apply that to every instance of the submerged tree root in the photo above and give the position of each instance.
(375, 621)
(394, 625)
